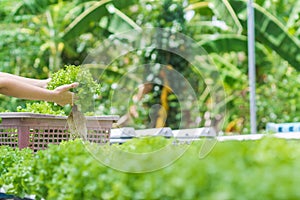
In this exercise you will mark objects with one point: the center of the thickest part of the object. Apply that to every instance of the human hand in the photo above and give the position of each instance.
(62, 95)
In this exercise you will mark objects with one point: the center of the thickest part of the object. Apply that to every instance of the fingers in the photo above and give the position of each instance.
(47, 82)
(63, 95)
(72, 85)
(72, 103)
(74, 99)
(64, 88)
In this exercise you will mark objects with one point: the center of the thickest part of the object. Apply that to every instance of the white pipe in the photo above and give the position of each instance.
(251, 64)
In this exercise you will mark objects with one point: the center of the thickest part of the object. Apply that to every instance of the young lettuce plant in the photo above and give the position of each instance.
(85, 92)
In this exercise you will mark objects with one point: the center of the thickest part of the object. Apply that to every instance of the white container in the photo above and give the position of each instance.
(283, 127)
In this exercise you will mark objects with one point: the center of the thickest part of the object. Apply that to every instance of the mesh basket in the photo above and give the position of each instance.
(36, 131)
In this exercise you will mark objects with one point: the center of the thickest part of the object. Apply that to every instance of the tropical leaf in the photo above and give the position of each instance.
(32, 7)
(81, 23)
(117, 24)
(269, 31)
(228, 42)
(94, 14)
(225, 12)
(197, 5)
(294, 16)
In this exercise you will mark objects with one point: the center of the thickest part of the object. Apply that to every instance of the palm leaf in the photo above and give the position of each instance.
(269, 31)
(32, 7)
(228, 42)
(94, 14)
(197, 5)
(294, 16)
(81, 23)
(225, 12)
(117, 24)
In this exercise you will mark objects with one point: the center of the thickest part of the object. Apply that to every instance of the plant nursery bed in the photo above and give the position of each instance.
(36, 131)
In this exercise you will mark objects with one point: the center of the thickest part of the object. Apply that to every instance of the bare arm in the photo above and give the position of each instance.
(11, 86)
(36, 82)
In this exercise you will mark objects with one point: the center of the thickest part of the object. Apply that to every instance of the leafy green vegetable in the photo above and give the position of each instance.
(266, 168)
(144, 144)
(41, 107)
(15, 164)
(64, 76)
(86, 90)
(85, 93)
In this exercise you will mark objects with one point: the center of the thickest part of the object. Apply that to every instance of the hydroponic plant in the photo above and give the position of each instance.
(85, 93)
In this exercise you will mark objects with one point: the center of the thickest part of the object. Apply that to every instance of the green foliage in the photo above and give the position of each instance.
(144, 144)
(41, 107)
(277, 100)
(38, 37)
(271, 36)
(86, 90)
(64, 76)
(19, 160)
(17, 45)
(272, 33)
(266, 168)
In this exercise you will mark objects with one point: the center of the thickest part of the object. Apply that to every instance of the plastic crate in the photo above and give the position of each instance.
(36, 131)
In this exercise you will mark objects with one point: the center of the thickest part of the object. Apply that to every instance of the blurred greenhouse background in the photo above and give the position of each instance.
(39, 37)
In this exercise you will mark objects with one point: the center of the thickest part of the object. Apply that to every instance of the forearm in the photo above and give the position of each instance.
(30, 81)
(16, 88)
(24, 90)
